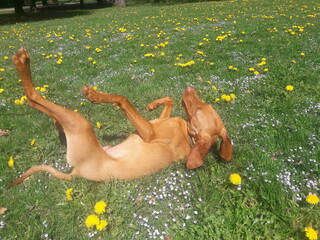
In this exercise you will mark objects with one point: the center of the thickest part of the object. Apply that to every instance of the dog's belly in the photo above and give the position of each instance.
(135, 158)
(128, 148)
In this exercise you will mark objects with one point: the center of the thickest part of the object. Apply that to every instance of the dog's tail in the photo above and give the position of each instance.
(42, 168)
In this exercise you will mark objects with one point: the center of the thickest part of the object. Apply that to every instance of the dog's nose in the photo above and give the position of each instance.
(190, 89)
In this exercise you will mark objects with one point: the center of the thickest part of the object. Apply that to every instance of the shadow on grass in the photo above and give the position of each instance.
(56, 11)
(165, 2)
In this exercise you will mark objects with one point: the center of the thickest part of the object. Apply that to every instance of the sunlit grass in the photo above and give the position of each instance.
(240, 55)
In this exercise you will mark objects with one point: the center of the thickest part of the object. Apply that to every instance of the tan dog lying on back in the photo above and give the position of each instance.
(155, 144)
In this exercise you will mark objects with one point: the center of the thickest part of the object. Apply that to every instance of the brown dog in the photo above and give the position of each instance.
(155, 144)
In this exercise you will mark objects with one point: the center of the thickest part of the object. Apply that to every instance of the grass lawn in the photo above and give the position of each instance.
(264, 52)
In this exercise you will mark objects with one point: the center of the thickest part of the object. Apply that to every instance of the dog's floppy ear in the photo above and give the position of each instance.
(225, 147)
(198, 152)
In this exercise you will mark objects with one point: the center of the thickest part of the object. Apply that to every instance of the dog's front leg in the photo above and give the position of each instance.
(167, 102)
(144, 127)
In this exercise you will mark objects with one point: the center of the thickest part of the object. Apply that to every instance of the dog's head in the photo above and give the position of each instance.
(204, 127)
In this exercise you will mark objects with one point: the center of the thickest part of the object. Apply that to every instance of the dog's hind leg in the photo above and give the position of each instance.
(81, 140)
(167, 102)
(64, 119)
(144, 127)
(22, 62)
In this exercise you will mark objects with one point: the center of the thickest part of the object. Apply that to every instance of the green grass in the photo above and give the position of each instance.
(275, 132)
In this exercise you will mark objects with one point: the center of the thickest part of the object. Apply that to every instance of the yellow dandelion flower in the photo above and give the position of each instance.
(251, 69)
(18, 102)
(68, 194)
(302, 54)
(98, 125)
(59, 61)
(102, 225)
(233, 96)
(1, 90)
(235, 179)
(69, 191)
(33, 142)
(95, 88)
(311, 234)
(149, 55)
(226, 97)
(186, 64)
(153, 70)
(42, 89)
(289, 88)
(11, 161)
(312, 199)
(100, 207)
(217, 99)
(92, 220)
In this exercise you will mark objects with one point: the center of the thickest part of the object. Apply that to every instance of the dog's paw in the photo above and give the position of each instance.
(21, 57)
(91, 94)
(85, 90)
(153, 105)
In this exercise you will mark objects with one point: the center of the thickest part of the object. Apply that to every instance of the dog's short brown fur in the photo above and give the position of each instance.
(155, 144)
